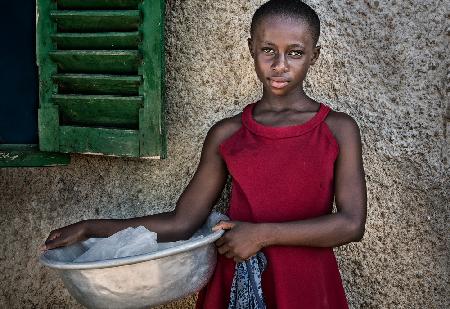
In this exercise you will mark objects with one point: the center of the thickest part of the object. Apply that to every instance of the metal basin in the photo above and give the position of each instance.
(140, 281)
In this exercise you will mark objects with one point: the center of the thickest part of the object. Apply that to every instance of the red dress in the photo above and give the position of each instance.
(282, 174)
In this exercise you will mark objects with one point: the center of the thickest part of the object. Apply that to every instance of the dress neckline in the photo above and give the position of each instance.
(284, 131)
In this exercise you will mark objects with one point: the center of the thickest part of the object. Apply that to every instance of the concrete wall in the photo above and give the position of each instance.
(383, 62)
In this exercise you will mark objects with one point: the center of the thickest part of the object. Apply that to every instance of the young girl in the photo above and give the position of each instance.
(289, 157)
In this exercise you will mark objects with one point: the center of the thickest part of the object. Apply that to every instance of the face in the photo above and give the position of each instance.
(282, 50)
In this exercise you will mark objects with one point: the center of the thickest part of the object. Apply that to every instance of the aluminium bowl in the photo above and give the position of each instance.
(140, 281)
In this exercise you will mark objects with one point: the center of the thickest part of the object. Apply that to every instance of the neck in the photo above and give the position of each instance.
(296, 100)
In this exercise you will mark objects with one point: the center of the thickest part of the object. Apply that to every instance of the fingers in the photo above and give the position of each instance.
(229, 255)
(48, 242)
(223, 249)
(219, 242)
(53, 235)
(51, 244)
(55, 241)
(224, 225)
(226, 244)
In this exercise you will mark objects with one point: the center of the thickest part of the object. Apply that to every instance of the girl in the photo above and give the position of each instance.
(289, 157)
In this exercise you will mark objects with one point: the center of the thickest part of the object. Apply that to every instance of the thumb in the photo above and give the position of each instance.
(55, 243)
(224, 225)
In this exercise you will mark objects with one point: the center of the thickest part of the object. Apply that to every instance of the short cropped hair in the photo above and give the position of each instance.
(291, 9)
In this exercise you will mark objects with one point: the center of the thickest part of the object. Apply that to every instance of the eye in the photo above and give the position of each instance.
(268, 50)
(295, 53)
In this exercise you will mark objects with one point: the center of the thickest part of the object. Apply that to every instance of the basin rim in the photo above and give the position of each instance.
(184, 247)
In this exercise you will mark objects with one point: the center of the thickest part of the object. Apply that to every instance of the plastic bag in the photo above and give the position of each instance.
(128, 242)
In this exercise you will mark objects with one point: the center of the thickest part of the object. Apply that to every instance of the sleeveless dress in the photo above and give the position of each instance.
(282, 174)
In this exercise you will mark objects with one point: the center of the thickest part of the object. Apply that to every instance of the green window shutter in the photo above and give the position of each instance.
(101, 77)
(28, 155)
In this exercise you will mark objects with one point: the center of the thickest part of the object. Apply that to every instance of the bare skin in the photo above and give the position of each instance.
(282, 51)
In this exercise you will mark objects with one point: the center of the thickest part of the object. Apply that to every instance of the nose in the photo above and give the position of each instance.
(280, 63)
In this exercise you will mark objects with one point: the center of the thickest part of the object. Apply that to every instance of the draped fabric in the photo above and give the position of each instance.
(246, 290)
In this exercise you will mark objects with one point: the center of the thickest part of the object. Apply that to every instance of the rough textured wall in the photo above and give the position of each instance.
(383, 62)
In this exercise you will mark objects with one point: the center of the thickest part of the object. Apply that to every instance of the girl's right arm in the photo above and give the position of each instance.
(192, 208)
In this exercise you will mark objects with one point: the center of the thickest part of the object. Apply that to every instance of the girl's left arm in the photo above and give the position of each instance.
(244, 239)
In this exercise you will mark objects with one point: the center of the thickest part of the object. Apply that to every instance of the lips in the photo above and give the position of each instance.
(278, 82)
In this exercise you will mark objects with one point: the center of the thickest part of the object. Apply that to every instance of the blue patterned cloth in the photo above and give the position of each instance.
(246, 291)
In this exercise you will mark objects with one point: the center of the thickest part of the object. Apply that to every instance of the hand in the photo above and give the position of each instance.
(240, 241)
(66, 236)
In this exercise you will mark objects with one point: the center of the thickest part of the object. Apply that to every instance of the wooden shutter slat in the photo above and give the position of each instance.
(97, 84)
(97, 61)
(97, 20)
(99, 110)
(99, 141)
(98, 4)
(101, 40)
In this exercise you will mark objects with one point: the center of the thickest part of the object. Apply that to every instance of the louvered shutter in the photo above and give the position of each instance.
(101, 77)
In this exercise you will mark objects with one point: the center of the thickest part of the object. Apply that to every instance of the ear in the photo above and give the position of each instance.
(315, 55)
(250, 47)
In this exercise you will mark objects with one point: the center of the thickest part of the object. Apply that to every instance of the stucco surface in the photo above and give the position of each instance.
(383, 62)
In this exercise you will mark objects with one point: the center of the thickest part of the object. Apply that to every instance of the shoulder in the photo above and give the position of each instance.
(223, 129)
(344, 127)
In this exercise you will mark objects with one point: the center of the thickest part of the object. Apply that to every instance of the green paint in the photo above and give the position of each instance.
(105, 40)
(163, 128)
(48, 123)
(44, 29)
(99, 110)
(148, 142)
(98, 20)
(28, 155)
(152, 50)
(97, 61)
(99, 141)
(98, 84)
(98, 4)
(103, 75)
(48, 118)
